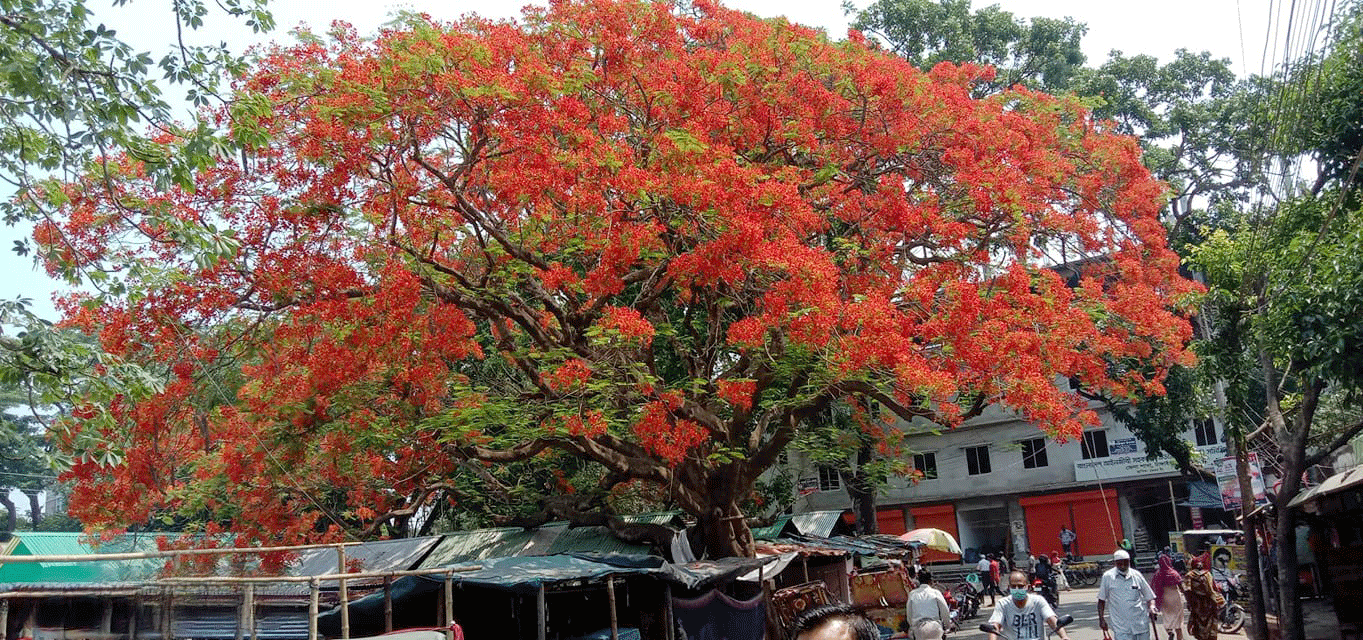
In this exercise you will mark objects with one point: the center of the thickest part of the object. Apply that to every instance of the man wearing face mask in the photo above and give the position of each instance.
(1022, 614)
(1125, 601)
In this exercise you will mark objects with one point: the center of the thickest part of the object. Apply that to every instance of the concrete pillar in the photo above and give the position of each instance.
(1017, 528)
(1128, 517)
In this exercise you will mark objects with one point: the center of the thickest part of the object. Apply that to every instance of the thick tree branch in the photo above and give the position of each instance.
(1340, 440)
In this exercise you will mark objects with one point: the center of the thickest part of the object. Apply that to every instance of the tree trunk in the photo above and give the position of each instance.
(1289, 609)
(862, 492)
(1294, 458)
(726, 532)
(35, 510)
(11, 515)
(1258, 618)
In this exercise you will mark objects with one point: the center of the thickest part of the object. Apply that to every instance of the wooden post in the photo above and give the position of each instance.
(1173, 504)
(133, 616)
(542, 614)
(167, 617)
(387, 604)
(31, 622)
(449, 606)
(610, 595)
(344, 593)
(313, 588)
(249, 603)
(671, 632)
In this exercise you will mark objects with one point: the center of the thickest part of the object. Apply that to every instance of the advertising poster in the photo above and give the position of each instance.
(1229, 483)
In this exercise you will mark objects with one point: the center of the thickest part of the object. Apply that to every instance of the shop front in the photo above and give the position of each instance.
(1093, 516)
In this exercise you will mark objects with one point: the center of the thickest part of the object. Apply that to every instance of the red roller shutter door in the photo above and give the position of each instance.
(1093, 515)
(891, 521)
(942, 517)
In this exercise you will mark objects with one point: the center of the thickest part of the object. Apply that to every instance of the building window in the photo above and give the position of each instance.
(1094, 444)
(1034, 453)
(829, 480)
(926, 463)
(977, 460)
(1204, 431)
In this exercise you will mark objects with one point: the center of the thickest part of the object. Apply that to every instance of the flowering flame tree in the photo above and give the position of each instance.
(655, 239)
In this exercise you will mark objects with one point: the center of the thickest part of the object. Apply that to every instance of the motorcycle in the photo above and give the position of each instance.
(1230, 618)
(1059, 623)
(1046, 588)
(967, 599)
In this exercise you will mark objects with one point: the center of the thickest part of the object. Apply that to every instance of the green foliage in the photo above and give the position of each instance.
(73, 94)
(1041, 53)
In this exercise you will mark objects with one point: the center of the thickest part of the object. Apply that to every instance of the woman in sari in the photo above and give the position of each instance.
(1167, 585)
(1203, 601)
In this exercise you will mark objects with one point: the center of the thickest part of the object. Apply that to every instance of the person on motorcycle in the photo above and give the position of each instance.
(1022, 614)
(926, 602)
(1045, 574)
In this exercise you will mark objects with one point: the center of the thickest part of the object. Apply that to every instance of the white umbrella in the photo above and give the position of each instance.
(933, 539)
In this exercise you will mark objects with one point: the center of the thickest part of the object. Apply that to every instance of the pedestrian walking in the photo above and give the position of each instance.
(1168, 587)
(1061, 582)
(995, 574)
(1202, 599)
(986, 579)
(1125, 601)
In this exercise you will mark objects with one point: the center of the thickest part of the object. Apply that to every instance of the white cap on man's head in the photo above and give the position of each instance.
(1121, 554)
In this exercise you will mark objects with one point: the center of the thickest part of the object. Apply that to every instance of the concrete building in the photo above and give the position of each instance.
(1001, 485)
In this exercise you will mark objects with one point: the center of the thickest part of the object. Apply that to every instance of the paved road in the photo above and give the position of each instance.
(1081, 603)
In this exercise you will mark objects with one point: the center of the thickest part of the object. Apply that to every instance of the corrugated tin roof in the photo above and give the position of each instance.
(552, 538)
(221, 623)
(772, 532)
(479, 544)
(816, 523)
(50, 543)
(382, 555)
(594, 540)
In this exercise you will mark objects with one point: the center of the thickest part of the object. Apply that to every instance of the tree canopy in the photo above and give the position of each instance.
(660, 241)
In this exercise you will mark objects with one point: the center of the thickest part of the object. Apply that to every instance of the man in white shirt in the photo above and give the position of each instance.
(1022, 614)
(926, 602)
(1125, 601)
(985, 577)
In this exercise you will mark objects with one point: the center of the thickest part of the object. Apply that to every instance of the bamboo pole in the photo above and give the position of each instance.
(387, 604)
(326, 577)
(106, 619)
(66, 593)
(249, 603)
(4, 618)
(344, 590)
(541, 614)
(134, 616)
(314, 586)
(671, 631)
(1173, 505)
(449, 606)
(171, 553)
(31, 622)
(610, 595)
(168, 616)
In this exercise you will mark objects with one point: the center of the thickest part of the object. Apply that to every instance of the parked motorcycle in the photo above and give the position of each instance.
(1231, 617)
